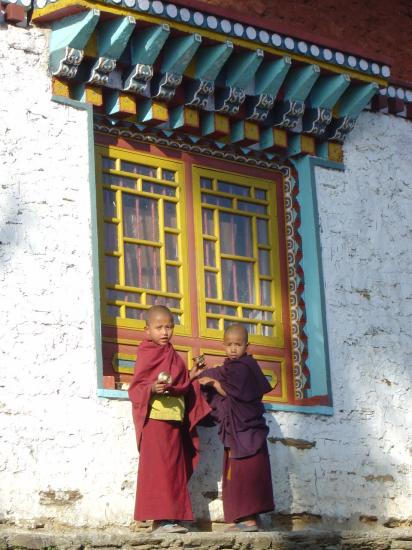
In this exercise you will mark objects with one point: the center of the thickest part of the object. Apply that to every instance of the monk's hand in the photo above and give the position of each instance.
(159, 387)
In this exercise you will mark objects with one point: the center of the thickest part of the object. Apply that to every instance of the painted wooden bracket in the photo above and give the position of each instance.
(268, 79)
(273, 139)
(297, 86)
(214, 125)
(119, 103)
(69, 37)
(347, 110)
(176, 57)
(208, 63)
(112, 38)
(145, 47)
(244, 132)
(152, 112)
(323, 97)
(237, 75)
(184, 118)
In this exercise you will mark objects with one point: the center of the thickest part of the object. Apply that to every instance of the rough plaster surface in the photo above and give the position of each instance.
(70, 456)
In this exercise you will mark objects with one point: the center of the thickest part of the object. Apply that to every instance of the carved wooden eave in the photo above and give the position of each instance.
(191, 74)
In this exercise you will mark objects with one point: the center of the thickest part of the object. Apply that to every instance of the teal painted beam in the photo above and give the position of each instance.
(327, 90)
(210, 60)
(178, 53)
(299, 82)
(355, 99)
(241, 68)
(270, 76)
(68, 39)
(113, 36)
(146, 44)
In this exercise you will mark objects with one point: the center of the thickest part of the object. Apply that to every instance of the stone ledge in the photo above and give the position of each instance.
(89, 539)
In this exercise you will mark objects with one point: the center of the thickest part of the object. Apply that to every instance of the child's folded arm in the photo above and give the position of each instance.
(208, 381)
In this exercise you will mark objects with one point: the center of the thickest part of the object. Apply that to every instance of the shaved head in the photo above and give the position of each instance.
(237, 328)
(158, 310)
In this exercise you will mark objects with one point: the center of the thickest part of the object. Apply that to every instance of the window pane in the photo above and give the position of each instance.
(210, 284)
(109, 200)
(112, 269)
(159, 189)
(206, 183)
(141, 169)
(264, 262)
(218, 201)
(168, 175)
(142, 266)
(260, 194)
(235, 235)
(257, 314)
(248, 326)
(108, 164)
(223, 310)
(110, 237)
(237, 281)
(265, 298)
(233, 189)
(207, 222)
(123, 296)
(171, 246)
(140, 218)
(251, 207)
(153, 300)
(121, 181)
(267, 331)
(113, 311)
(170, 214)
(172, 276)
(132, 313)
(262, 231)
(209, 253)
(212, 323)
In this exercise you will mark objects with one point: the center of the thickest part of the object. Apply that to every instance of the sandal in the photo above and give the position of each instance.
(169, 527)
(241, 526)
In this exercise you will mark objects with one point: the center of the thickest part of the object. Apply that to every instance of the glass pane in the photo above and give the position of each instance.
(112, 269)
(171, 246)
(210, 284)
(209, 253)
(153, 300)
(140, 218)
(264, 262)
(260, 194)
(218, 201)
(235, 235)
(172, 276)
(233, 189)
(113, 311)
(168, 175)
(257, 314)
(223, 310)
(158, 188)
(121, 181)
(251, 207)
(212, 323)
(170, 214)
(109, 200)
(132, 313)
(265, 298)
(267, 331)
(123, 296)
(141, 169)
(110, 237)
(237, 281)
(142, 266)
(206, 183)
(207, 222)
(262, 231)
(108, 164)
(248, 326)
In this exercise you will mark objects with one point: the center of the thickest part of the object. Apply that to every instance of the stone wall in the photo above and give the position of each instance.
(67, 455)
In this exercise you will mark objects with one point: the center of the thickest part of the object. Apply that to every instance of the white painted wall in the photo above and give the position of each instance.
(56, 435)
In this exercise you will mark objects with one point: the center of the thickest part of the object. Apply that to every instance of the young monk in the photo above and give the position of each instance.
(235, 390)
(166, 408)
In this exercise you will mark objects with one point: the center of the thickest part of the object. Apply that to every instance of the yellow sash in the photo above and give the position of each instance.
(167, 407)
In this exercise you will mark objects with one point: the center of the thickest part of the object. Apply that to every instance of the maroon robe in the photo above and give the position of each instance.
(247, 482)
(169, 450)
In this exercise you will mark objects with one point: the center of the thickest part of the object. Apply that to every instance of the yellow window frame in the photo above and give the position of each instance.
(198, 172)
(160, 163)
